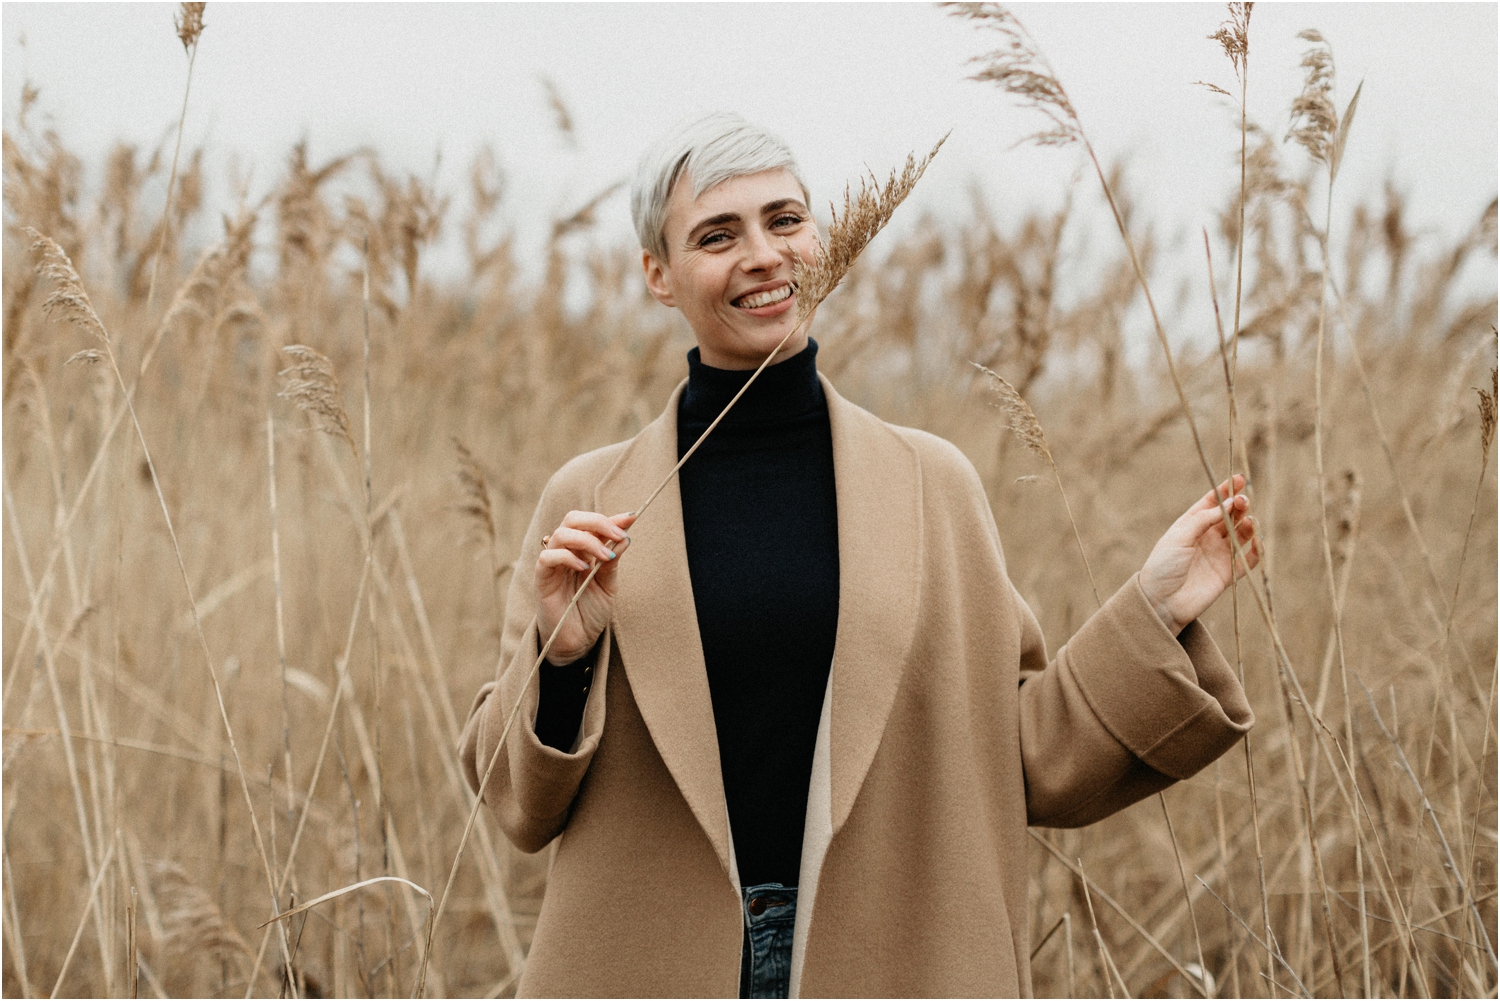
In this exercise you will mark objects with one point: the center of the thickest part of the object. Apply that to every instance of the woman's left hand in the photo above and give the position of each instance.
(1190, 566)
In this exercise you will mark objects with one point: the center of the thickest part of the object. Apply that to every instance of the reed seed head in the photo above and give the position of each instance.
(189, 23)
(1234, 36)
(213, 275)
(1315, 124)
(190, 919)
(865, 214)
(562, 118)
(311, 384)
(1487, 411)
(585, 216)
(1019, 68)
(69, 297)
(1019, 416)
(474, 487)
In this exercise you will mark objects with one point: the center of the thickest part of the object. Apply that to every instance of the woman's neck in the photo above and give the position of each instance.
(785, 390)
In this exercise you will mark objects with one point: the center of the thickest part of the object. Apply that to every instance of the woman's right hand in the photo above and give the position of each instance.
(568, 554)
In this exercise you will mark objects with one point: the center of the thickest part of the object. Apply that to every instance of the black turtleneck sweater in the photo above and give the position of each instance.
(761, 525)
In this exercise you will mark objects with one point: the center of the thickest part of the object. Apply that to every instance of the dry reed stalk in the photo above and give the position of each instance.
(1451, 865)
(1345, 544)
(335, 894)
(1022, 422)
(1046, 938)
(1486, 436)
(1223, 845)
(286, 727)
(424, 627)
(312, 385)
(1203, 982)
(1139, 928)
(1106, 961)
(1356, 802)
(1234, 37)
(189, 24)
(499, 901)
(341, 669)
(1386, 880)
(1230, 365)
(1270, 950)
(15, 940)
(1068, 941)
(381, 806)
(93, 870)
(446, 738)
(326, 404)
(225, 253)
(70, 297)
(1020, 69)
(1317, 126)
(1309, 817)
(865, 214)
(132, 976)
(83, 920)
(475, 506)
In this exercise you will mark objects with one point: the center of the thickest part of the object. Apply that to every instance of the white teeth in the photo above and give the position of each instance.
(760, 299)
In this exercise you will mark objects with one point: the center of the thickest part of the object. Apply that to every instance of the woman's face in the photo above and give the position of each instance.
(729, 265)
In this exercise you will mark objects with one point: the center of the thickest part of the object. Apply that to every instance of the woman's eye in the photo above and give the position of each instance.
(716, 237)
(785, 221)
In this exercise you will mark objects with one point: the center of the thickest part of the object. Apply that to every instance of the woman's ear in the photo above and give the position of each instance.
(658, 283)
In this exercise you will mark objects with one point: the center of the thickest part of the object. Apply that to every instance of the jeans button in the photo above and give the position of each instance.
(757, 906)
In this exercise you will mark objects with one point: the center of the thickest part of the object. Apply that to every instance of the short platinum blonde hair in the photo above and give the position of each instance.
(710, 149)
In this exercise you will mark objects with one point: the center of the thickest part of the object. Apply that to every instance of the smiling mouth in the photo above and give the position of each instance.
(767, 298)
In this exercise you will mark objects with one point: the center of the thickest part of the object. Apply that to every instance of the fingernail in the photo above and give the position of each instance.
(610, 556)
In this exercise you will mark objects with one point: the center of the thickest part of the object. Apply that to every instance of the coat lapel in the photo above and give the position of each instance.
(656, 627)
(878, 483)
(878, 489)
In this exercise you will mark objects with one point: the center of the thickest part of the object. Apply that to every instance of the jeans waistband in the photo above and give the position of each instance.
(770, 912)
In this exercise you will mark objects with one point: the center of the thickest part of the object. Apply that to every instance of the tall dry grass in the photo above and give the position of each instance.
(347, 564)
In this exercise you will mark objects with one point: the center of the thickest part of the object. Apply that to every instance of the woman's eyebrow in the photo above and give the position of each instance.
(717, 220)
(780, 204)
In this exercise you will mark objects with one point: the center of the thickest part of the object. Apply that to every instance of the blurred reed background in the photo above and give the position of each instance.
(348, 564)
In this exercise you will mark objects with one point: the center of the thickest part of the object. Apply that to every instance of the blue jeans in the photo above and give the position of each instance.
(770, 911)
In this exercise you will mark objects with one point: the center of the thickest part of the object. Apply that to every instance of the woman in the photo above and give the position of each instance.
(794, 731)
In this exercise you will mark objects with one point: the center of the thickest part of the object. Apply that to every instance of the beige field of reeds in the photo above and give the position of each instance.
(263, 499)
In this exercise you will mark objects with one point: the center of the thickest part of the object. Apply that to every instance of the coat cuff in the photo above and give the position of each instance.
(545, 779)
(1173, 702)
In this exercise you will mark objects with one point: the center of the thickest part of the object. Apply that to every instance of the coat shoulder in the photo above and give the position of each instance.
(944, 465)
(952, 491)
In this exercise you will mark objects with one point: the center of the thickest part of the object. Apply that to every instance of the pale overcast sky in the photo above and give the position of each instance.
(848, 86)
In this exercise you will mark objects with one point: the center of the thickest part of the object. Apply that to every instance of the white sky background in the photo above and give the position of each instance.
(848, 86)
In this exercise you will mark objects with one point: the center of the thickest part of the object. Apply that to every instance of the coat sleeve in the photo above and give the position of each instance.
(1124, 710)
(531, 786)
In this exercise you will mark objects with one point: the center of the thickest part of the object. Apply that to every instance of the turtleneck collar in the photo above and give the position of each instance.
(785, 391)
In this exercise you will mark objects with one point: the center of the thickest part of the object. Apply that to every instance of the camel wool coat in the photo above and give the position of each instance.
(945, 732)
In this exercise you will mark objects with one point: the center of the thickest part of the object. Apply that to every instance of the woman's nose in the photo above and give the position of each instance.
(762, 251)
